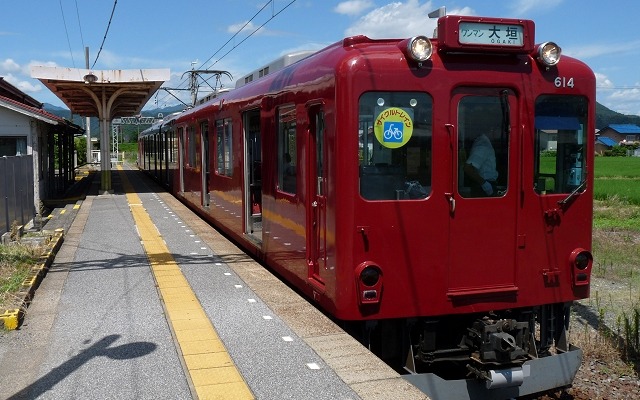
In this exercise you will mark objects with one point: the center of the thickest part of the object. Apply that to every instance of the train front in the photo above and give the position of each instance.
(470, 235)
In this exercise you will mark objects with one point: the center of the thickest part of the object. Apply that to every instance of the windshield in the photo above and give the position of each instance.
(560, 144)
(394, 139)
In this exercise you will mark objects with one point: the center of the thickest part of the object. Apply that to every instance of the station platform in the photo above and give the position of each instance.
(144, 300)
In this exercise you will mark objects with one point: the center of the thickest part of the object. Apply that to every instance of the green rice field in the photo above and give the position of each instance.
(617, 178)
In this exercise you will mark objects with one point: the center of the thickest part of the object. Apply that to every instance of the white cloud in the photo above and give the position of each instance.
(626, 96)
(598, 50)
(9, 65)
(602, 81)
(42, 63)
(524, 6)
(247, 28)
(19, 76)
(107, 60)
(625, 100)
(353, 7)
(398, 20)
(24, 85)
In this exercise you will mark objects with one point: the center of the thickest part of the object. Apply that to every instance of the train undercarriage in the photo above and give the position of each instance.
(497, 355)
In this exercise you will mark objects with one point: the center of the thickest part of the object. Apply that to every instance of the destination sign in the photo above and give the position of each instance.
(491, 34)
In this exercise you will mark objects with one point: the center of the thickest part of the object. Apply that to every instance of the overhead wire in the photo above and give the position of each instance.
(106, 33)
(274, 14)
(230, 39)
(254, 31)
(618, 87)
(236, 34)
(79, 25)
(66, 31)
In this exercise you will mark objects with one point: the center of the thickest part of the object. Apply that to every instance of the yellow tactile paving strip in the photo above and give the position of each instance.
(212, 372)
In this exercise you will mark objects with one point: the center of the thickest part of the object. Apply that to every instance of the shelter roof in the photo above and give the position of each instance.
(121, 93)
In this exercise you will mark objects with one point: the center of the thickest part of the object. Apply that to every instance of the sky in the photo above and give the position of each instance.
(240, 36)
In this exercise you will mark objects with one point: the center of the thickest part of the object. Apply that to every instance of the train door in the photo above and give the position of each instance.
(181, 157)
(316, 211)
(204, 131)
(483, 208)
(252, 174)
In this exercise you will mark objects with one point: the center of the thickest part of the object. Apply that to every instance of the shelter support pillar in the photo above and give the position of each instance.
(105, 157)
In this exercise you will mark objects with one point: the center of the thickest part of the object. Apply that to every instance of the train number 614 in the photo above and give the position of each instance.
(561, 81)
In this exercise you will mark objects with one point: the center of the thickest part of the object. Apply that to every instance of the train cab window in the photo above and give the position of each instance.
(560, 144)
(287, 149)
(483, 146)
(223, 147)
(394, 145)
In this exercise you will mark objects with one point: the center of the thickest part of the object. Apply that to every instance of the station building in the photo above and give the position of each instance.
(36, 156)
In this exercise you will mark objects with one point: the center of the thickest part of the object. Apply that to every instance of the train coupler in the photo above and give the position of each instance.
(502, 378)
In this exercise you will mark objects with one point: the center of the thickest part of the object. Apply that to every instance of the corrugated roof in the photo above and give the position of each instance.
(627, 129)
(607, 141)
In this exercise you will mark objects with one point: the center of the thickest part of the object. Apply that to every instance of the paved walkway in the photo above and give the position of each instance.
(100, 326)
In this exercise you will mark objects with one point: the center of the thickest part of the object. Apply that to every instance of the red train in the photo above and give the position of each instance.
(433, 193)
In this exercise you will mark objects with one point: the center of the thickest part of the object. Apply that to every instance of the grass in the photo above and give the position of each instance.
(617, 181)
(609, 167)
(16, 260)
(616, 252)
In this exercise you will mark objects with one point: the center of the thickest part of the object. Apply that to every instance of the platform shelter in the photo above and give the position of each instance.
(105, 94)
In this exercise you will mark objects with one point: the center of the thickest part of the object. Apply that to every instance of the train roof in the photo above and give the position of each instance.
(157, 126)
(316, 68)
(274, 66)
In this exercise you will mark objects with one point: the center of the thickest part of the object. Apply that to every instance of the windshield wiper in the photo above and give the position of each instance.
(573, 194)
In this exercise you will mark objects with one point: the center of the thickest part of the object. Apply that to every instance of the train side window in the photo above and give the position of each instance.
(560, 144)
(394, 145)
(223, 147)
(287, 149)
(193, 144)
(173, 146)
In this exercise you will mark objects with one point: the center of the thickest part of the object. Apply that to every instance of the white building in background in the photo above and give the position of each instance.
(27, 129)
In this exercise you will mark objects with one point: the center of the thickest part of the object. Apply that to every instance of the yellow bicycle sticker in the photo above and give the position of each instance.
(393, 127)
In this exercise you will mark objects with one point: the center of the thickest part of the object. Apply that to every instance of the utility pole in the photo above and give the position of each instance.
(194, 74)
(193, 80)
(88, 119)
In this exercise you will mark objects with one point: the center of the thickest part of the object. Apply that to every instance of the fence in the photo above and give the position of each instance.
(16, 191)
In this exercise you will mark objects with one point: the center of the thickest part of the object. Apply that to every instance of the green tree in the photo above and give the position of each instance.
(80, 144)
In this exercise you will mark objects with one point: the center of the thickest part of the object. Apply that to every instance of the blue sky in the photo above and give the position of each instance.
(147, 34)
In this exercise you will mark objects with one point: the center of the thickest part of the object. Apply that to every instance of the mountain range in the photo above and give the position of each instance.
(604, 118)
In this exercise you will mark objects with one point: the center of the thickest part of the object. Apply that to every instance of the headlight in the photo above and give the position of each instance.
(420, 48)
(582, 260)
(370, 275)
(549, 53)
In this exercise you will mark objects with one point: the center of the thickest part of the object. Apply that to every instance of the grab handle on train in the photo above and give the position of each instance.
(452, 202)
